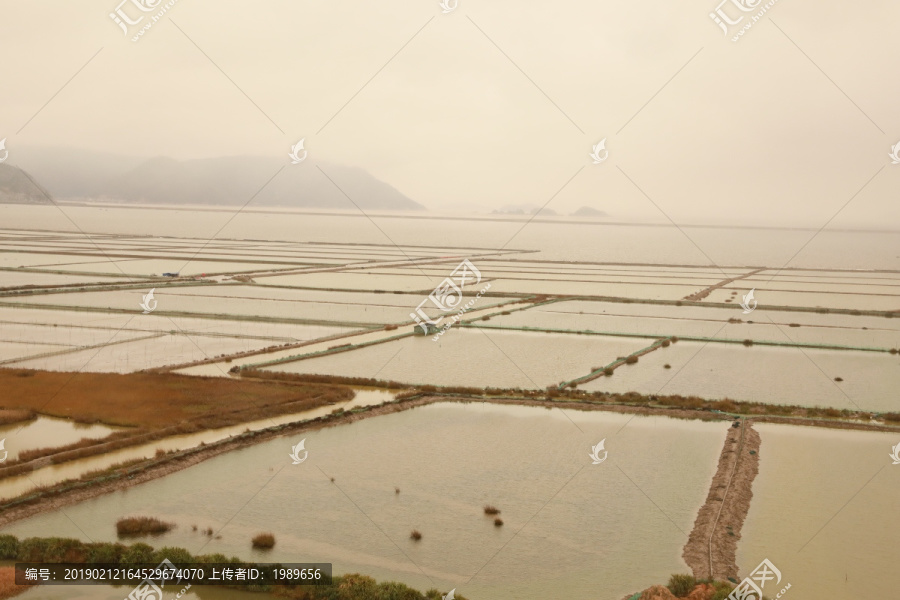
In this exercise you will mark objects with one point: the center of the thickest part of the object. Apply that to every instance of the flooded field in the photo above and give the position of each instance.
(667, 321)
(457, 359)
(822, 511)
(290, 292)
(763, 374)
(580, 544)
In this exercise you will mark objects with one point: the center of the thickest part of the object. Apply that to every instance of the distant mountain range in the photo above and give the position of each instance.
(69, 173)
(17, 188)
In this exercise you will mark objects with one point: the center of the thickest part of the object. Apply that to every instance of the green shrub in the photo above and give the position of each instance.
(137, 553)
(681, 585)
(176, 555)
(105, 553)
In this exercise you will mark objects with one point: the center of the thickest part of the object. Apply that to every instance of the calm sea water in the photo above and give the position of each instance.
(555, 241)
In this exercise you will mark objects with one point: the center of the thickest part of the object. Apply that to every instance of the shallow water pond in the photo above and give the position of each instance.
(773, 375)
(824, 512)
(572, 529)
(49, 432)
(475, 357)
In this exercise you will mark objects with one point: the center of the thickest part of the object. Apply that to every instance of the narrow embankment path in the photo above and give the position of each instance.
(711, 550)
(707, 291)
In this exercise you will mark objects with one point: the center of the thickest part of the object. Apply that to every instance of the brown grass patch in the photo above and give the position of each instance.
(131, 526)
(10, 416)
(162, 404)
(150, 400)
(415, 535)
(264, 541)
(491, 510)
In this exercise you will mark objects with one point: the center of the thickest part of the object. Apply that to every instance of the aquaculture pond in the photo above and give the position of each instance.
(571, 529)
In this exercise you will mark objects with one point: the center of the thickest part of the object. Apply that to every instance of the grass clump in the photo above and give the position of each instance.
(491, 510)
(748, 342)
(264, 541)
(498, 522)
(131, 526)
(631, 360)
(681, 585)
(608, 371)
(415, 535)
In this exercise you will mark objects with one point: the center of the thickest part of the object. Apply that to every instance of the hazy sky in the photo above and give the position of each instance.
(495, 103)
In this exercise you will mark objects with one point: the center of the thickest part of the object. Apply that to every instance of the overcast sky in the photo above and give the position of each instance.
(494, 103)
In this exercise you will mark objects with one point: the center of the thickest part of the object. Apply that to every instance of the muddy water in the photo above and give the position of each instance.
(14, 486)
(48, 432)
(572, 529)
(824, 511)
